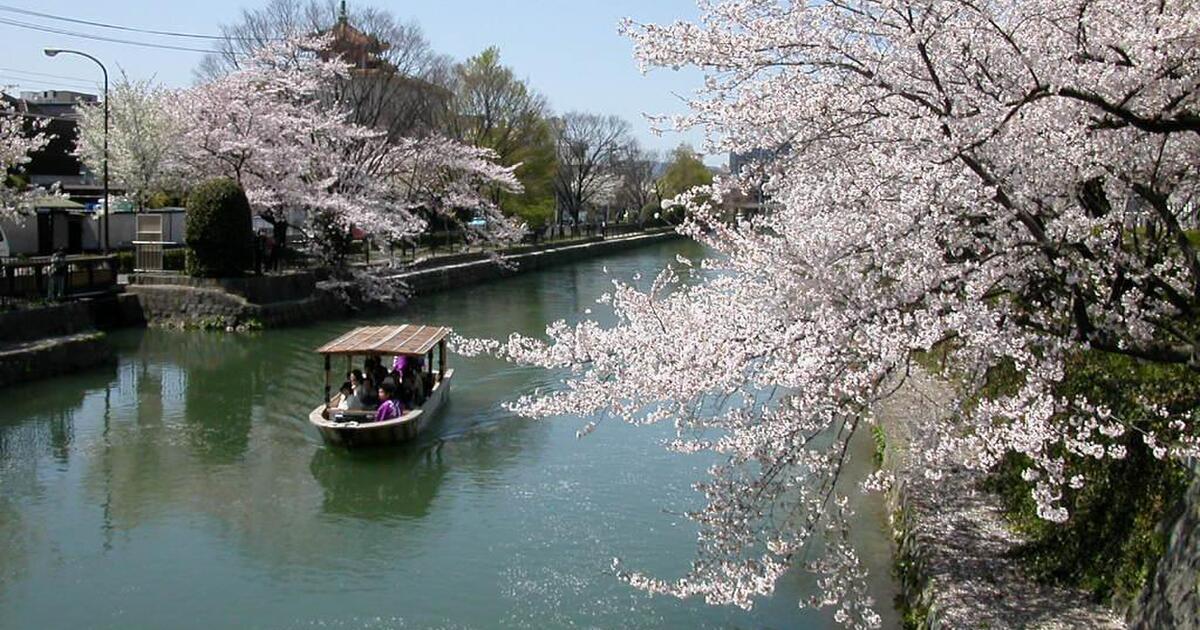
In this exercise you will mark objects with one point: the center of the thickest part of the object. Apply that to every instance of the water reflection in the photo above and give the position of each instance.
(189, 467)
(379, 485)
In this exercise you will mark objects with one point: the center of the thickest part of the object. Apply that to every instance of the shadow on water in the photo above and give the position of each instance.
(189, 467)
(380, 483)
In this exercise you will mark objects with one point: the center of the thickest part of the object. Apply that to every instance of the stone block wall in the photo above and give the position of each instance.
(271, 301)
(526, 258)
(50, 321)
(44, 358)
(1171, 599)
(255, 289)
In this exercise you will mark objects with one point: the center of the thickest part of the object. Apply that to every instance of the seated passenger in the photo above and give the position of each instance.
(375, 371)
(365, 388)
(412, 388)
(351, 401)
(389, 408)
(359, 383)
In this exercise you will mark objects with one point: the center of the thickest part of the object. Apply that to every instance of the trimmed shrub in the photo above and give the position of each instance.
(220, 241)
(175, 259)
(125, 261)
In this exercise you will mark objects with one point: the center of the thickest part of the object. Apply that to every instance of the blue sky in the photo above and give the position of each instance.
(568, 50)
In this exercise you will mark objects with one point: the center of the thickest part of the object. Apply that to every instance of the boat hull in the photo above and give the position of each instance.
(388, 432)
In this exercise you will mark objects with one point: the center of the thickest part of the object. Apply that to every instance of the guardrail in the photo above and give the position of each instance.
(30, 277)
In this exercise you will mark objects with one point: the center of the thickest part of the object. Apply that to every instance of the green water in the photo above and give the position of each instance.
(183, 488)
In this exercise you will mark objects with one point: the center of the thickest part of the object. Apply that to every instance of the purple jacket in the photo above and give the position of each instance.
(388, 410)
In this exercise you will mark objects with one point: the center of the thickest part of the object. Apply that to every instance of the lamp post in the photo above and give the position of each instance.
(51, 52)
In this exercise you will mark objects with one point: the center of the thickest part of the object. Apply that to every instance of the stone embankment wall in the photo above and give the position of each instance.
(476, 269)
(1172, 597)
(43, 342)
(273, 301)
(268, 301)
(954, 547)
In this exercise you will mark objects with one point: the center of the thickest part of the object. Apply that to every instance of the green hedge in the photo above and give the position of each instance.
(220, 240)
(173, 260)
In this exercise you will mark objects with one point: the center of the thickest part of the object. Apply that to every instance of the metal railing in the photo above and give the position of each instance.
(30, 277)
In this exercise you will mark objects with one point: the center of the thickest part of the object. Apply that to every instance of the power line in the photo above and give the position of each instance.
(61, 86)
(5, 73)
(45, 74)
(131, 29)
(102, 38)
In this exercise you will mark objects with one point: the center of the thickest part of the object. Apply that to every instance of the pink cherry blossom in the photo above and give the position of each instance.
(1012, 180)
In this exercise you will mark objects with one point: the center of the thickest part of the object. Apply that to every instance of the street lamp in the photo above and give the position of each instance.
(51, 52)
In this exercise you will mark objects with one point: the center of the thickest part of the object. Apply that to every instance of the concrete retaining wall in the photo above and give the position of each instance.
(272, 301)
(43, 342)
(528, 258)
(50, 321)
(43, 358)
(255, 289)
(188, 306)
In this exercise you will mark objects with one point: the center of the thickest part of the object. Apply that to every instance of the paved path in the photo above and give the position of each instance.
(964, 539)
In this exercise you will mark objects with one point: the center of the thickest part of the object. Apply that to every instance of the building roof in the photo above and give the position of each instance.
(405, 339)
(362, 51)
(57, 203)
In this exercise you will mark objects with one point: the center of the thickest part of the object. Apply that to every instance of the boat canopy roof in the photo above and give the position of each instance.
(405, 339)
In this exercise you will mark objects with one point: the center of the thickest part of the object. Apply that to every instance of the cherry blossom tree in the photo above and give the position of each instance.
(17, 142)
(270, 126)
(142, 141)
(1014, 181)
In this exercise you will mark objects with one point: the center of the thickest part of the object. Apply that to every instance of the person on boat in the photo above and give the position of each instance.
(389, 408)
(361, 387)
(375, 371)
(351, 400)
(412, 387)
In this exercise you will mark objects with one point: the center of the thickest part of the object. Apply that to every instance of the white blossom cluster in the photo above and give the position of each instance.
(275, 126)
(1012, 179)
(16, 145)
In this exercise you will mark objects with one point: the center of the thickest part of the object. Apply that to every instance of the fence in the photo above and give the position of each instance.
(30, 277)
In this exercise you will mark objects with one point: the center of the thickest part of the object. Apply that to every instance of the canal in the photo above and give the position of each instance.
(183, 488)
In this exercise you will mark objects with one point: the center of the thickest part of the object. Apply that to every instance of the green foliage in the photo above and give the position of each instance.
(218, 234)
(125, 261)
(1112, 541)
(879, 436)
(173, 260)
(495, 109)
(164, 199)
(686, 171)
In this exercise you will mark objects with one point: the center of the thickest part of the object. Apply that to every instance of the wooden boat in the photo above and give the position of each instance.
(358, 428)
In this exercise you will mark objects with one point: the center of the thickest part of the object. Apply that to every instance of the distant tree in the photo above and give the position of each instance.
(685, 172)
(267, 127)
(496, 110)
(401, 88)
(639, 188)
(588, 146)
(143, 143)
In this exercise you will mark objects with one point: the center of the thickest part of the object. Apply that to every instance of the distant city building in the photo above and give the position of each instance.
(384, 97)
(57, 164)
(52, 222)
(754, 201)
